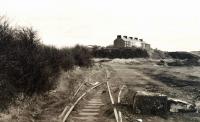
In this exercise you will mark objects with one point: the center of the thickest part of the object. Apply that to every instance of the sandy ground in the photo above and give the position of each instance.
(144, 75)
(138, 74)
(105, 111)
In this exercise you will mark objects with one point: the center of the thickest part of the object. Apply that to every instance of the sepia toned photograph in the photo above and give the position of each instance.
(99, 61)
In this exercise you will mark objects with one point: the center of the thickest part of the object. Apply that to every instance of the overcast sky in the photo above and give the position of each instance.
(165, 24)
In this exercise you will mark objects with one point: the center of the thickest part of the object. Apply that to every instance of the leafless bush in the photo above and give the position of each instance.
(28, 66)
(82, 56)
(68, 60)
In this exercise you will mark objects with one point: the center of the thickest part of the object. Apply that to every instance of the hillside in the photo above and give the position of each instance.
(196, 52)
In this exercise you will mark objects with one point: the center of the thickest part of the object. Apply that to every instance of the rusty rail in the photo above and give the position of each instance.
(119, 100)
(76, 102)
(111, 98)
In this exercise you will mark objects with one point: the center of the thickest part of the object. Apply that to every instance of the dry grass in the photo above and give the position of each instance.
(48, 106)
(29, 67)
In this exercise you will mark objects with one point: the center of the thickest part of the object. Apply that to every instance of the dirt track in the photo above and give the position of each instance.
(96, 106)
(177, 82)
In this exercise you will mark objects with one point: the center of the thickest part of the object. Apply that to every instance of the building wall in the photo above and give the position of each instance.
(119, 43)
(138, 44)
(124, 41)
(146, 46)
(127, 43)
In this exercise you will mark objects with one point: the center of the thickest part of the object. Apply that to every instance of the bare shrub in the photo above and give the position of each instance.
(68, 60)
(27, 66)
(82, 56)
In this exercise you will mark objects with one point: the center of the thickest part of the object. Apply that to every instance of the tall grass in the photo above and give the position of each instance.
(27, 66)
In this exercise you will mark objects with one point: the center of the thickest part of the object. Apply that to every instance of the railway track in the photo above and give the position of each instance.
(90, 109)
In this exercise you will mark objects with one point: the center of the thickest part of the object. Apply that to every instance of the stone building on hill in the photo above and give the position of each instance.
(124, 41)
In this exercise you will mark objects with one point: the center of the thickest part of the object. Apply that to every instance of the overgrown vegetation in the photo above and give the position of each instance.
(158, 54)
(120, 53)
(182, 55)
(27, 66)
